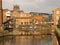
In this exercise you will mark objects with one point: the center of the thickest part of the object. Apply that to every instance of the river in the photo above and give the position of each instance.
(26, 40)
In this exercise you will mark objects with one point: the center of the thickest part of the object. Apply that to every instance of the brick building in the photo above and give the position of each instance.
(20, 17)
(56, 15)
(23, 19)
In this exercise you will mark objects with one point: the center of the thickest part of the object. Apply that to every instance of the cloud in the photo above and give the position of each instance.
(33, 5)
(41, 1)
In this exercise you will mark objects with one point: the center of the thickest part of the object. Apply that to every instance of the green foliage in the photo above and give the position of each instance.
(58, 31)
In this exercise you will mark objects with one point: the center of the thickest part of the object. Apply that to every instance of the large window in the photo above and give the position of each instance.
(57, 12)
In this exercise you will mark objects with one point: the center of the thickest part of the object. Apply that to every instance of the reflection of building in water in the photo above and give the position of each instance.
(56, 15)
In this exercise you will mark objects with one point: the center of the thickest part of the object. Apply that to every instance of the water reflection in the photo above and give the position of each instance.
(26, 40)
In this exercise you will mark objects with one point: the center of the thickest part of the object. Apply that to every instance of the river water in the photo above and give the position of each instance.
(26, 40)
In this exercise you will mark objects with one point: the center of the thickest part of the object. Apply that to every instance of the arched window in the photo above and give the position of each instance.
(8, 13)
(21, 23)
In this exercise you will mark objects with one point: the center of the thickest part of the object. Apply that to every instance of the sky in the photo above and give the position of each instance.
(44, 6)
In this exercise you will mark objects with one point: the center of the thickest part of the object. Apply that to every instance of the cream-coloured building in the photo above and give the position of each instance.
(19, 17)
(56, 16)
(22, 18)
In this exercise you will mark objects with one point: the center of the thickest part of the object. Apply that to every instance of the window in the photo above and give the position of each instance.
(57, 12)
(21, 22)
(14, 15)
(31, 27)
(8, 13)
(10, 26)
(26, 23)
(57, 17)
(17, 26)
(30, 22)
(57, 20)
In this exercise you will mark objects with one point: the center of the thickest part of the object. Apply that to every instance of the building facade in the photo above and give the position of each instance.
(38, 19)
(19, 17)
(23, 20)
(56, 16)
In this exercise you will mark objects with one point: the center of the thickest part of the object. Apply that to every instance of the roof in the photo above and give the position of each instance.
(37, 13)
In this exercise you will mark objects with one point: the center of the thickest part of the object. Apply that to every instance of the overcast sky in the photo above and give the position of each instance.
(46, 6)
